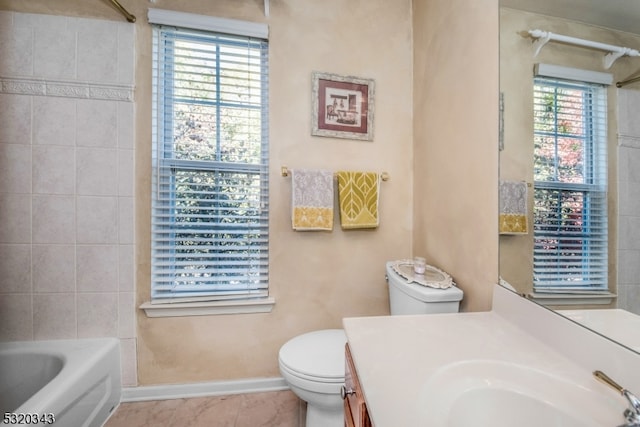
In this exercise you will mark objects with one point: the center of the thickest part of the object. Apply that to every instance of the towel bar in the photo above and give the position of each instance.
(285, 173)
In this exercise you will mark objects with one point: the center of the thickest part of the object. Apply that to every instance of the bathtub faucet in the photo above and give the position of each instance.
(632, 413)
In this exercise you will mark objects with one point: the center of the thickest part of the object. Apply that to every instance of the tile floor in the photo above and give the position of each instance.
(268, 409)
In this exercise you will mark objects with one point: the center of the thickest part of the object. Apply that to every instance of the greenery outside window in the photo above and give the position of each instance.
(570, 187)
(210, 231)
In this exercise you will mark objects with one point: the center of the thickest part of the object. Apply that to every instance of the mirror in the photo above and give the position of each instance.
(614, 23)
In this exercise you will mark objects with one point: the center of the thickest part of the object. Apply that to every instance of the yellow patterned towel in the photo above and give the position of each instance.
(312, 200)
(358, 193)
(513, 207)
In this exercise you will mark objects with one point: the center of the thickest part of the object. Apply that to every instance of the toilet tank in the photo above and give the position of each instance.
(411, 298)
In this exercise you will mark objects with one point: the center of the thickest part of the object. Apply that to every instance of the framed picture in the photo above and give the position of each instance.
(342, 107)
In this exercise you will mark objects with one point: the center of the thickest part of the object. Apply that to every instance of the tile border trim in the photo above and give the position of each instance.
(628, 141)
(66, 89)
(214, 388)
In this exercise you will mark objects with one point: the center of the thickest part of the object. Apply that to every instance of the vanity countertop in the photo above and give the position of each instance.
(619, 325)
(395, 356)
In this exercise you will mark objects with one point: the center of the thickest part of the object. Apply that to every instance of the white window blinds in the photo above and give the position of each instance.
(570, 186)
(210, 166)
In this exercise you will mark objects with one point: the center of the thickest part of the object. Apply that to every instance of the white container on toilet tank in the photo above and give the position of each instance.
(411, 298)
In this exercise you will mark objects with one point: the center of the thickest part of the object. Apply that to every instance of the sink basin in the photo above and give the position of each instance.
(502, 394)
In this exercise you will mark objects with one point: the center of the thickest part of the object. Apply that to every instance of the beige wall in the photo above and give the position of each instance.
(516, 160)
(319, 278)
(455, 140)
(316, 278)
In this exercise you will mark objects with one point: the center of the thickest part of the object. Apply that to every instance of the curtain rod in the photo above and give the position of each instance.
(615, 52)
(124, 11)
(627, 82)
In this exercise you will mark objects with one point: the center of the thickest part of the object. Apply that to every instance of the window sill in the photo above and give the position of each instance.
(263, 305)
(573, 299)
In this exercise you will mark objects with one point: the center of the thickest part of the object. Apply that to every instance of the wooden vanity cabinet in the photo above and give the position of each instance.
(355, 408)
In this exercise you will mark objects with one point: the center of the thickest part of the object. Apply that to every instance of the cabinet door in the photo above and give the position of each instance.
(355, 408)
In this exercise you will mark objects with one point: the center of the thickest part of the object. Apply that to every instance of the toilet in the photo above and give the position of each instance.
(312, 364)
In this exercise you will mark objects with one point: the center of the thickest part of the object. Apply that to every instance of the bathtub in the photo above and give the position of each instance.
(75, 383)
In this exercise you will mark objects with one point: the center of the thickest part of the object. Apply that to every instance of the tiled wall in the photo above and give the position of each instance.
(67, 180)
(629, 200)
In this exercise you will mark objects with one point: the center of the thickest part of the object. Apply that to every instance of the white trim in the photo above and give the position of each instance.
(208, 23)
(570, 73)
(573, 299)
(66, 89)
(262, 305)
(628, 141)
(214, 388)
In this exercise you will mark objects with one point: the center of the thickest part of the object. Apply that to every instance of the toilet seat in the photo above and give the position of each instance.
(307, 377)
(315, 356)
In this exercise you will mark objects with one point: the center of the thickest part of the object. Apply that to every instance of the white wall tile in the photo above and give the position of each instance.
(67, 275)
(54, 268)
(128, 357)
(54, 169)
(126, 126)
(126, 220)
(628, 201)
(126, 268)
(626, 266)
(629, 232)
(125, 173)
(97, 172)
(54, 316)
(15, 211)
(15, 268)
(97, 51)
(16, 49)
(54, 48)
(15, 162)
(97, 123)
(54, 219)
(97, 268)
(624, 204)
(126, 53)
(54, 121)
(629, 297)
(632, 156)
(15, 119)
(629, 104)
(97, 219)
(126, 315)
(16, 317)
(97, 315)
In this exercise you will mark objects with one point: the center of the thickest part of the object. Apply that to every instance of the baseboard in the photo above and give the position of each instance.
(214, 388)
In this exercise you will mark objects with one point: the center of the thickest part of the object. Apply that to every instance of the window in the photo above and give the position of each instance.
(570, 186)
(210, 166)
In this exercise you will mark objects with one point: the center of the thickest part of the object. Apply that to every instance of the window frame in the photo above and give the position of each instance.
(595, 188)
(208, 302)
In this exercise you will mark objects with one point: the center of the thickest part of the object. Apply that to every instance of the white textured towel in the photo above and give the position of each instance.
(312, 199)
(513, 207)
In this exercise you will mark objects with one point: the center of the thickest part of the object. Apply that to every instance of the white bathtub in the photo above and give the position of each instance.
(74, 382)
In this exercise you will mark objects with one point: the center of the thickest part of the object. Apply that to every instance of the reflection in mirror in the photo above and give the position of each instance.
(608, 300)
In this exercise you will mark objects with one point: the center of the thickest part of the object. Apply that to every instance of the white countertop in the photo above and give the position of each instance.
(619, 325)
(395, 356)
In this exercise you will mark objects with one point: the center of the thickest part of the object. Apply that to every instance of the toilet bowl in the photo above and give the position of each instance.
(313, 364)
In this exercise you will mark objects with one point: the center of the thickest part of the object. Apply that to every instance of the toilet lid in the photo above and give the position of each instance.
(316, 354)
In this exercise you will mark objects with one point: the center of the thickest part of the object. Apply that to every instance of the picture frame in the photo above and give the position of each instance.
(342, 106)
